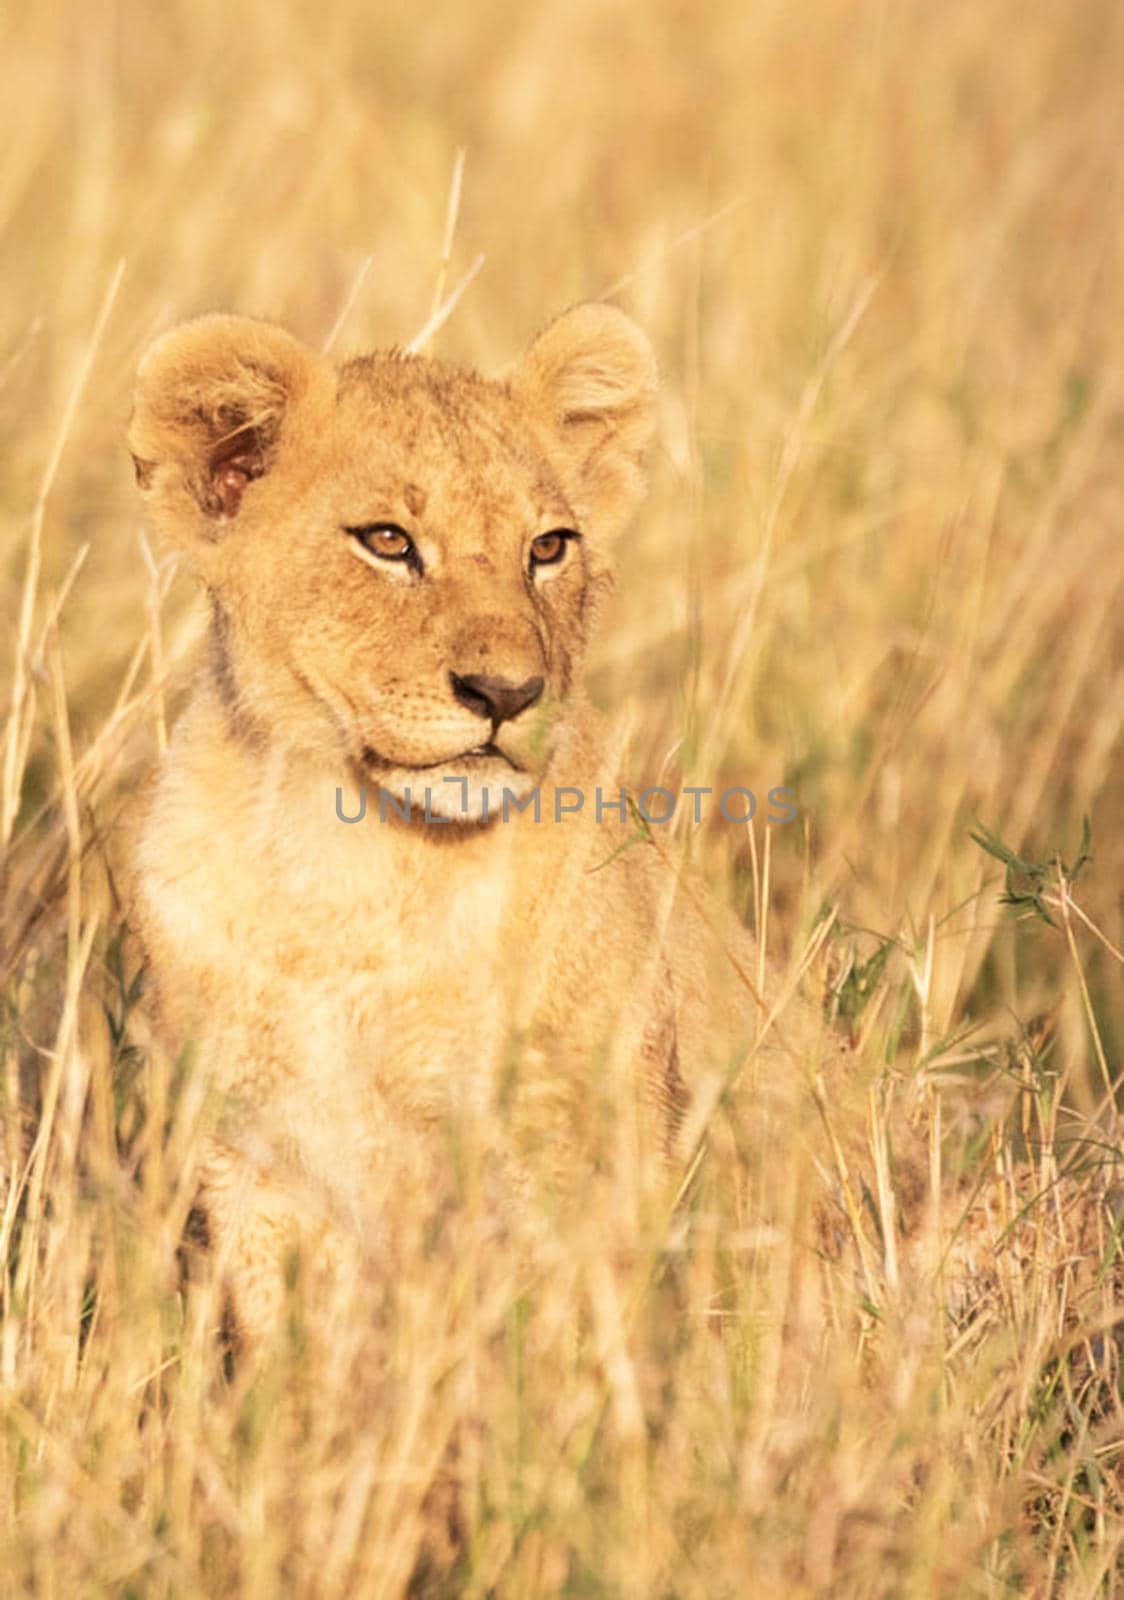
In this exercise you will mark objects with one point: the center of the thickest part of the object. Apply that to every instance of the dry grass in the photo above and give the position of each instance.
(881, 250)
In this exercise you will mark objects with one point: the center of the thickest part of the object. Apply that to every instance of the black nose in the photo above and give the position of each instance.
(498, 699)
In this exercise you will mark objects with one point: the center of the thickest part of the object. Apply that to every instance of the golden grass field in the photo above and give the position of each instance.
(880, 250)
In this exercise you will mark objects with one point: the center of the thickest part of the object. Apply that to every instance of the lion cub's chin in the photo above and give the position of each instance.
(475, 789)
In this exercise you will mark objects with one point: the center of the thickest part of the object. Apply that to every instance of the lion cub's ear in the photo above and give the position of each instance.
(207, 412)
(591, 378)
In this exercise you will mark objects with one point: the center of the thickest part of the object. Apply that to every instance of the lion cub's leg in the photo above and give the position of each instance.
(253, 1225)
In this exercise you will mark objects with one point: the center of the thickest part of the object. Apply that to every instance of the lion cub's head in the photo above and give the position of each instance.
(400, 555)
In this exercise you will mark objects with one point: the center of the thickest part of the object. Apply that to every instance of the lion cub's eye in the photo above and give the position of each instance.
(387, 541)
(549, 548)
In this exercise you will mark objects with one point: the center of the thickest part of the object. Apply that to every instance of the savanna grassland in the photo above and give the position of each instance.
(875, 1348)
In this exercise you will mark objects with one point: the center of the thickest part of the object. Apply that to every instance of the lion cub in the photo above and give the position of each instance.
(382, 874)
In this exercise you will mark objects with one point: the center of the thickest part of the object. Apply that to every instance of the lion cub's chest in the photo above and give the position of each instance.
(347, 987)
(406, 982)
(351, 955)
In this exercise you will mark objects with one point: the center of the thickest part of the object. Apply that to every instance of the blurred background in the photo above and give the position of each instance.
(879, 248)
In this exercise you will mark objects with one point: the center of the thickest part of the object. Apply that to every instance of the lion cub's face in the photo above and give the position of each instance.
(401, 556)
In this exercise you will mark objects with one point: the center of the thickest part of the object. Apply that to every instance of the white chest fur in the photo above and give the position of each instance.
(343, 979)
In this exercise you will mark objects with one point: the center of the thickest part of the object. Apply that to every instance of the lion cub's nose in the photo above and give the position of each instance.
(496, 698)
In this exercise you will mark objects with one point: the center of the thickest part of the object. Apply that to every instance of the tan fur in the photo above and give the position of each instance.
(347, 987)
